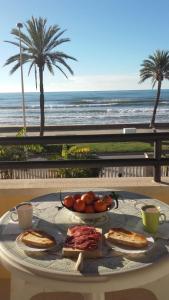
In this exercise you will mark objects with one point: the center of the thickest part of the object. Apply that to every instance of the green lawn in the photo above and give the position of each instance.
(119, 147)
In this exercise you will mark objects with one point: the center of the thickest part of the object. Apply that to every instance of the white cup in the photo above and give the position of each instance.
(23, 213)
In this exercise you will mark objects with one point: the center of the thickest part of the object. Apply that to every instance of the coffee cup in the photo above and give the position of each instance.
(23, 214)
(152, 217)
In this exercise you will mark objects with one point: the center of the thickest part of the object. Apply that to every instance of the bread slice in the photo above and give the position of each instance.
(37, 238)
(122, 236)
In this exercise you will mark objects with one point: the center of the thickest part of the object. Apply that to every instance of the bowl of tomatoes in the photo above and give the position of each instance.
(90, 205)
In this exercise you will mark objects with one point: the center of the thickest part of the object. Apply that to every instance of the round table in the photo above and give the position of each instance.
(35, 272)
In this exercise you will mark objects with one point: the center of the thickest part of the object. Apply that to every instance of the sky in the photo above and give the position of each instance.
(109, 38)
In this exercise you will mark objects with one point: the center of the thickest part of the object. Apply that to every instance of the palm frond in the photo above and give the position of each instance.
(12, 59)
(16, 58)
(30, 68)
(49, 66)
(62, 62)
(15, 67)
(55, 43)
(17, 44)
(24, 38)
(51, 36)
(58, 67)
(60, 33)
(36, 80)
(154, 81)
(61, 55)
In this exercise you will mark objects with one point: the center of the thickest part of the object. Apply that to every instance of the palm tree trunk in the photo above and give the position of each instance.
(42, 115)
(156, 104)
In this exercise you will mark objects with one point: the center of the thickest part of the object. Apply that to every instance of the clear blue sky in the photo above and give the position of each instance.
(110, 39)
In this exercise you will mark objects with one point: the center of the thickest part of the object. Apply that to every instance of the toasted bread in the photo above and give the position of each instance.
(122, 236)
(37, 238)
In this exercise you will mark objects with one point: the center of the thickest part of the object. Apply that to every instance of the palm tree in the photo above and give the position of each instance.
(39, 50)
(155, 67)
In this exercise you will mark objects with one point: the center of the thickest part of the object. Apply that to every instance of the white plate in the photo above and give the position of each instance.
(131, 250)
(57, 235)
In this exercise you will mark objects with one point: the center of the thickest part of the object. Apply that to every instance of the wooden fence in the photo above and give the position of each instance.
(104, 172)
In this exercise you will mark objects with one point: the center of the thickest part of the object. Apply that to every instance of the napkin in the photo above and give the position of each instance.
(13, 227)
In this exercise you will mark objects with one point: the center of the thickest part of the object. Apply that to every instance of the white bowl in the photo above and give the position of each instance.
(89, 216)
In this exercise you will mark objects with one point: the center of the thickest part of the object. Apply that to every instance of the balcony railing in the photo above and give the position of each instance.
(156, 162)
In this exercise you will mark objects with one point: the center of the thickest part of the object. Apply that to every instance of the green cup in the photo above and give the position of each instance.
(152, 217)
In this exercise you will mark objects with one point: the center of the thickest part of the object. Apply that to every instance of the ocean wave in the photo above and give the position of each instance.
(118, 103)
(84, 108)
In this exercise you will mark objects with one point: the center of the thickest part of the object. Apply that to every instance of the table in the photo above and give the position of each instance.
(32, 273)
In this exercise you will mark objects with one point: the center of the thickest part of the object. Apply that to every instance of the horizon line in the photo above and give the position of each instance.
(74, 91)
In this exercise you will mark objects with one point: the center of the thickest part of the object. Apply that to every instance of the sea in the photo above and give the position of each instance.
(84, 108)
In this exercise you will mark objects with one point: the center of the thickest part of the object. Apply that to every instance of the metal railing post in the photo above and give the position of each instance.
(157, 156)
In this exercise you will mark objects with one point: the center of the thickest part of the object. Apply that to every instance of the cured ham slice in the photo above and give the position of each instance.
(83, 238)
(82, 230)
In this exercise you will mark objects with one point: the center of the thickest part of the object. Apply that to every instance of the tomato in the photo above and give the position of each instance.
(79, 205)
(100, 206)
(92, 194)
(108, 200)
(88, 198)
(68, 201)
(77, 196)
(89, 209)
